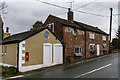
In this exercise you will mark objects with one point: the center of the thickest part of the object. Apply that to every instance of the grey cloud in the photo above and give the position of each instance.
(21, 16)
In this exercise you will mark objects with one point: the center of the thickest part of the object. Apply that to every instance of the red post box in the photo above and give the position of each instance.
(27, 56)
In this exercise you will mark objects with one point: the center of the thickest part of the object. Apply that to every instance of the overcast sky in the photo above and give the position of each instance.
(22, 14)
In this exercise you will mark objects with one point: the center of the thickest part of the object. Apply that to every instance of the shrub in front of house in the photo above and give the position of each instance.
(8, 71)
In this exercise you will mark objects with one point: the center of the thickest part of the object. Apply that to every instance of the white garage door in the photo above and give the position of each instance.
(47, 54)
(58, 54)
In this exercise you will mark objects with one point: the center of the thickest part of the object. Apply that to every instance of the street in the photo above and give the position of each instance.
(99, 67)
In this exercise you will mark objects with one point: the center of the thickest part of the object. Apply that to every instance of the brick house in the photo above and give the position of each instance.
(80, 40)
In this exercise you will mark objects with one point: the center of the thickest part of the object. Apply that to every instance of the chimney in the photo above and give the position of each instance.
(7, 34)
(70, 15)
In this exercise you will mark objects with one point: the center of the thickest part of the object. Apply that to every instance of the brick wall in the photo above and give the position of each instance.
(70, 41)
(97, 40)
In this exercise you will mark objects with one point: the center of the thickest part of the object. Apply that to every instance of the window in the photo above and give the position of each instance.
(74, 32)
(92, 36)
(78, 50)
(46, 35)
(104, 46)
(104, 38)
(2, 50)
(51, 26)
(5, 49)
(92, 47)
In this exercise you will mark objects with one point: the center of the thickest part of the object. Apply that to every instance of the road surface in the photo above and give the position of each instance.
(99, 67)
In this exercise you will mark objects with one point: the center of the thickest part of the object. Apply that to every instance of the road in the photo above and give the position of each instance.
(100, 67)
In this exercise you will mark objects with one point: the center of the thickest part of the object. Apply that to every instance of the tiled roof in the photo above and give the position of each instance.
(24, 35)
(63, 21)
(76, 24)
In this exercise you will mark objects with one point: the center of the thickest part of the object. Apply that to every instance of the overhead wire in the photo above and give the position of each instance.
(116, 21)
(86, 4)
(74, 9)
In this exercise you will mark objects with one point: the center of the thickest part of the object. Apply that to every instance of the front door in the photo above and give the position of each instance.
(98, 49)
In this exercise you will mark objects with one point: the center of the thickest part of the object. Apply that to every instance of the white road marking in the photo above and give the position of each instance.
(94, 70)
(16, 77)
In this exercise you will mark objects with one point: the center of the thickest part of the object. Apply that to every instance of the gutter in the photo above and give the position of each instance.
(17, 57)
(85, 43)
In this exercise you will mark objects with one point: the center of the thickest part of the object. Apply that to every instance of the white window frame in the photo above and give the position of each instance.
(80, 53)
(93, 45)
(74, 33)
(91, 35)
(2, 50)
(5, 50)
(104, 45)
(104, 38)
(49, 25)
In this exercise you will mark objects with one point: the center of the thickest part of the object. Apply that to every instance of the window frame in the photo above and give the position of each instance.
(49, 25)
(80, 49)
(93, 47)
(105, 46)
(74, 32)
(91, 35)
(47, 33)
(104, 38)
(5, 50)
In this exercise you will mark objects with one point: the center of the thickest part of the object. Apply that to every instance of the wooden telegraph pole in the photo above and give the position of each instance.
(111, 9)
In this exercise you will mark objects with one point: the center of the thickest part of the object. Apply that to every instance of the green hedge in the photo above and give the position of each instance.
(8, 71)
(116, 43)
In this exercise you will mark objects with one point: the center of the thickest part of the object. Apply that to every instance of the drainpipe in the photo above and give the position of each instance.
(17, 57)
(85, 43)
(63, 52)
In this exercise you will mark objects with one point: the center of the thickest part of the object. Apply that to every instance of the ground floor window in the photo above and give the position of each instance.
(92, 47)
(78, 50)
(5, 49)
(104, 46)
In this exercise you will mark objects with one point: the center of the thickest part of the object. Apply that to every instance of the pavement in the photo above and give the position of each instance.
(100, 67)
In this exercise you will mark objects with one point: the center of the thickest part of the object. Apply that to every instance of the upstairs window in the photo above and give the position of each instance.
(104, 47)
(51, 26)
(91, 36)
(92, 47)
(74, 32)
(104, 38)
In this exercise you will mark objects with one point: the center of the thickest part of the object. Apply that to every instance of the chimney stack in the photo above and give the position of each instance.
(70, 15)
(7, 34)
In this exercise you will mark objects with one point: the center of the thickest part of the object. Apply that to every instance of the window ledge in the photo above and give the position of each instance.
(76, 54)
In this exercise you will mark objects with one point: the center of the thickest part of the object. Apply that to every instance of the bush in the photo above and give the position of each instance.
(116, 43)
(9, 71)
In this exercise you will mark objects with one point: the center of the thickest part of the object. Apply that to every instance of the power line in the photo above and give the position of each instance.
(115, 14)
(116, 20)
(74, 9)
(91, 13)
(52, 4)
(85, 5)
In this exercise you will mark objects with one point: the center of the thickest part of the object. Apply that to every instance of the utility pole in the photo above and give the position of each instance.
(111, 9)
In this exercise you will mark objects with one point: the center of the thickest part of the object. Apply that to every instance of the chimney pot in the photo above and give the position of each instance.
(7, 29)
(70, 15)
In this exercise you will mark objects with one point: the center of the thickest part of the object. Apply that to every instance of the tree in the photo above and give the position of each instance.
(118, 33)
(3, 6)
(37, 24)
